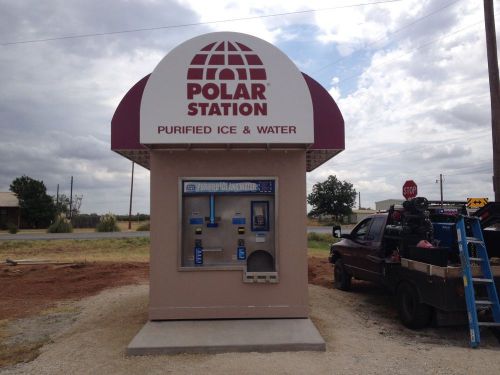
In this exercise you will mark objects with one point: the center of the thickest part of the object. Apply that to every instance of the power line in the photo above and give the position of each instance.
(476, 170)
(78, 36)
(386, 155)
(390, 35)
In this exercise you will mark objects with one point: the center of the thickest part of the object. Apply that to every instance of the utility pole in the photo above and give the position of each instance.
(71, 199)
(130, 206)
(491, 48)
(57, 199)
(359, 200)
(441, 187)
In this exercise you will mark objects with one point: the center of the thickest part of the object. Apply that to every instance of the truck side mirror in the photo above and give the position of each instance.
(336, 231)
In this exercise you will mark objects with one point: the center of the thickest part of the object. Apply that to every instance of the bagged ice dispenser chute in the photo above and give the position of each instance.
(260, 268)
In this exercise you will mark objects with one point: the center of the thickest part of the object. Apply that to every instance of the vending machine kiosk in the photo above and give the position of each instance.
(228, 127)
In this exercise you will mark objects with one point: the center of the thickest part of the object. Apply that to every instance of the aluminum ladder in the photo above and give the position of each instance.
(479, 257)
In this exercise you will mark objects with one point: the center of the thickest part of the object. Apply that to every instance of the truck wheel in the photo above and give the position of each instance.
(341, 279)
(412, 313)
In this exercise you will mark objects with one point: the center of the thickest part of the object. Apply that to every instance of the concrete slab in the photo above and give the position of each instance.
(222, 336)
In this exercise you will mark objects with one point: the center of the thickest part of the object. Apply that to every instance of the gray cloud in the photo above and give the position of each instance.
(410, 117)
(56, 97)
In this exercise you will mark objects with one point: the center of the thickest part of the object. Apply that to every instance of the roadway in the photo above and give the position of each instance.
(71, 236)
(105, 235)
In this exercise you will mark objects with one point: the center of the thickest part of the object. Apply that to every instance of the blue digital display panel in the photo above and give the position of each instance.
(196, 221)
(228, 187)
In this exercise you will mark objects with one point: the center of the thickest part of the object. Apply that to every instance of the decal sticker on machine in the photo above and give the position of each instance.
(230, 187)
(239, 221)
(198, 255)
(196, 221)
(242, 253)
(260, 237)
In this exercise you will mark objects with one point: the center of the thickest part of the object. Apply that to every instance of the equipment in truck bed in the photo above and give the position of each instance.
(489, 214)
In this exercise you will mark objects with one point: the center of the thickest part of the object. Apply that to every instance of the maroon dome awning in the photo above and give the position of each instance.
(328, 128)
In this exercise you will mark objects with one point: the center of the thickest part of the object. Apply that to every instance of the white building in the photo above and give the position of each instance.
(387, 203)
(358, 215)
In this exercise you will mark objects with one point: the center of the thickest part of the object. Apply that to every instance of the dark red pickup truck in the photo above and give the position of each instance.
(383, 250)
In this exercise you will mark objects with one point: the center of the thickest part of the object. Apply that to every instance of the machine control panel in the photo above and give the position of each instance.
(224, 221)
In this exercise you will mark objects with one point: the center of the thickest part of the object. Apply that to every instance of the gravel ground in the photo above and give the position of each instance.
(363, 337)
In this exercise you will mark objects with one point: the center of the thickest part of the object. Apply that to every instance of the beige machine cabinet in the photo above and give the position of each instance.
(229, 224)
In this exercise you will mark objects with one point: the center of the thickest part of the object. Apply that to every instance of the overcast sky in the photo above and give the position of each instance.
(410, 78)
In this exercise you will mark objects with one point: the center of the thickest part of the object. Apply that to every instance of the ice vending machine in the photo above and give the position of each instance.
(230, 224)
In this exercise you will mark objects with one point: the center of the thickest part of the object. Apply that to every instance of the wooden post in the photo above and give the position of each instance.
(130, 206)
(491, 48)
(71, 199)
(441, 187)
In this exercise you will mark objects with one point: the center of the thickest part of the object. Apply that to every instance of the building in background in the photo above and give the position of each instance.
(387, 203)
(10, 213)
(358, 215)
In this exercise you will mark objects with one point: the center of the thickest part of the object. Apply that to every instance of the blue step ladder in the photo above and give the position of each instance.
(479, 256)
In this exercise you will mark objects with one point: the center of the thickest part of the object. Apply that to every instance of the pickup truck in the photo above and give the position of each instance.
(426, 291)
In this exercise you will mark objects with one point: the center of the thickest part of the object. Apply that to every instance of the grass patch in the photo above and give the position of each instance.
(123, 225)
(143, 227)
(115, 249)
(318, 244)
(25, 352)
(22, 339)
(321, 237)
(17, 352)
(22, 352)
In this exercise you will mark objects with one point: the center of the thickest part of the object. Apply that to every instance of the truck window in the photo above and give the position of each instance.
(359, 233)
(376, 229)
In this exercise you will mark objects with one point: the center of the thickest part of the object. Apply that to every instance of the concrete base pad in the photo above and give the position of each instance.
(222, 336)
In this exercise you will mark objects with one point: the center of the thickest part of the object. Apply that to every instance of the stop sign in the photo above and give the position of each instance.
(409, 189)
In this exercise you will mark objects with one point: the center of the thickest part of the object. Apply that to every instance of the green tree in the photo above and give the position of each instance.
(332, 197)
(62, 204)
(37, 208)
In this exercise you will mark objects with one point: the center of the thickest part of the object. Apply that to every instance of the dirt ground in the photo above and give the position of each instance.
(64, 334)
(27, 289)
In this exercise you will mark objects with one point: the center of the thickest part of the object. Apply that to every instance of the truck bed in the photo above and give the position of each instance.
(445, 272)
(440, 287)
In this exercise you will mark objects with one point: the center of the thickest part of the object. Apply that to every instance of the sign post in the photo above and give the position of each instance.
(410, 189)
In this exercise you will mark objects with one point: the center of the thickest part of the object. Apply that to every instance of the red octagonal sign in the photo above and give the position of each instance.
(409, 189)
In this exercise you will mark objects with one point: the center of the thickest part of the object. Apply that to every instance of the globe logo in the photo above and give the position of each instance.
(226, 79)
(226, 61)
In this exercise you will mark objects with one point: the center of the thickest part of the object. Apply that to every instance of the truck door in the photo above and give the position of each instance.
(365, 259)
(372, 252)
(353, 248)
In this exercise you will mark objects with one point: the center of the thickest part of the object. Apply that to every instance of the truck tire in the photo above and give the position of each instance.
(412, 313)
(341, 278)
